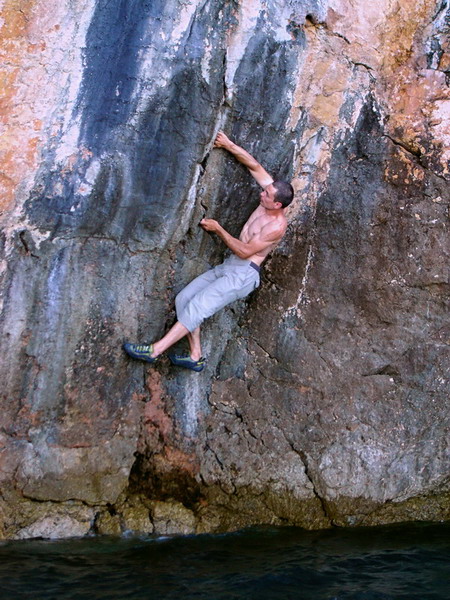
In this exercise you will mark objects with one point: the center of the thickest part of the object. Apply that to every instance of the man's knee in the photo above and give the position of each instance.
(180, 300)
(179, 297)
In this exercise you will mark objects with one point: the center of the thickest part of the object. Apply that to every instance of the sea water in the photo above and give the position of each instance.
(402, 562)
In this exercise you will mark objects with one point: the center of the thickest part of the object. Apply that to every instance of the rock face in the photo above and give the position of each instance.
(325, 398)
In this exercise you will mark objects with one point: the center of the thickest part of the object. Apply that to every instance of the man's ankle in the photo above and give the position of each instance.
(155, 352)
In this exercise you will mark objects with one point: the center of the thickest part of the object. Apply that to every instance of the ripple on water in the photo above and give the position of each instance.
(407, 562)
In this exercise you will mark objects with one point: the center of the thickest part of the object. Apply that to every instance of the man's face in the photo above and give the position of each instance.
(267, 198)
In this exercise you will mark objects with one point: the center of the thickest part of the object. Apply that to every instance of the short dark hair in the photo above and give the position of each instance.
(284, 192)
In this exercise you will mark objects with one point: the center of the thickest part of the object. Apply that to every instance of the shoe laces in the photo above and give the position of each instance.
(143, 348)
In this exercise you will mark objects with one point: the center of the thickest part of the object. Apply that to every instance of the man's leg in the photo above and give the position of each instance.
(193, 288)
(150, 352)
(199, 300)
(175, 333)
(231, 283)
(195, 348)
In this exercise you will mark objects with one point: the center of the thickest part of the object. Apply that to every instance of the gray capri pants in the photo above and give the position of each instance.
(235, 278)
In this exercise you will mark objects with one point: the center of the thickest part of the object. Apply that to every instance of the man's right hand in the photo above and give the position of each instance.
(210, 225)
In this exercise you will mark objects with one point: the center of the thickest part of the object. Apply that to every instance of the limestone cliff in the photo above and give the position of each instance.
(325, 398)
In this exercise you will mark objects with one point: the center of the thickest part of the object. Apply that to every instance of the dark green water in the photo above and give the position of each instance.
(406, 562)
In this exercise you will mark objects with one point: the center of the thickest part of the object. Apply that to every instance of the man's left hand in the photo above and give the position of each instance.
(210, 225)
(222, 141)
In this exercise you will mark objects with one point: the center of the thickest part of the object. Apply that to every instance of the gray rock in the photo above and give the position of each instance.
(325, 397)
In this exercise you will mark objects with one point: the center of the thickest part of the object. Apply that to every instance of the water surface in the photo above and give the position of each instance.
(404, 562)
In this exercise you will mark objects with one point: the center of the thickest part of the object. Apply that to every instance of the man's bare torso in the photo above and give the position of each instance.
(257, 222)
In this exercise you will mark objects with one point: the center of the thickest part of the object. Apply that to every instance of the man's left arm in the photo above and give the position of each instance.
(267, 237)
(255, 169)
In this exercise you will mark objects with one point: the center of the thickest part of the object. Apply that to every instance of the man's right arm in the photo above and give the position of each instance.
(258, 172)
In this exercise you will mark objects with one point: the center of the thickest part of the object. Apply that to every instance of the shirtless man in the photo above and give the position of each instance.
(236, 277)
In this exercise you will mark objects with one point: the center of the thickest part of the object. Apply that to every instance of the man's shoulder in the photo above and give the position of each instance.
(274, 229)
(258, 212)
(280, 222)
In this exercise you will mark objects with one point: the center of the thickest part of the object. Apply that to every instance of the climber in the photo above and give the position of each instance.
(236, 277)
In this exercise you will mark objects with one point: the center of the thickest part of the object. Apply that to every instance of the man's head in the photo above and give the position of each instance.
(284, 193)
(277, 195)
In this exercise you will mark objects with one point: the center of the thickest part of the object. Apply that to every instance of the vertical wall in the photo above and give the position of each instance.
(324, 395)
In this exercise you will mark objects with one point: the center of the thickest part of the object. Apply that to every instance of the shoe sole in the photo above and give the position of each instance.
(186, 366)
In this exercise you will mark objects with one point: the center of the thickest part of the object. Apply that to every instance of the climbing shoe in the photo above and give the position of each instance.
(140, 351)
(184, 360)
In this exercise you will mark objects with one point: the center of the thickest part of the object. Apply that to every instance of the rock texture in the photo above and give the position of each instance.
(325, 398)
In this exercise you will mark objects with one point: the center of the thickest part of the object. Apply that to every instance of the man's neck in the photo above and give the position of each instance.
(275, 212)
